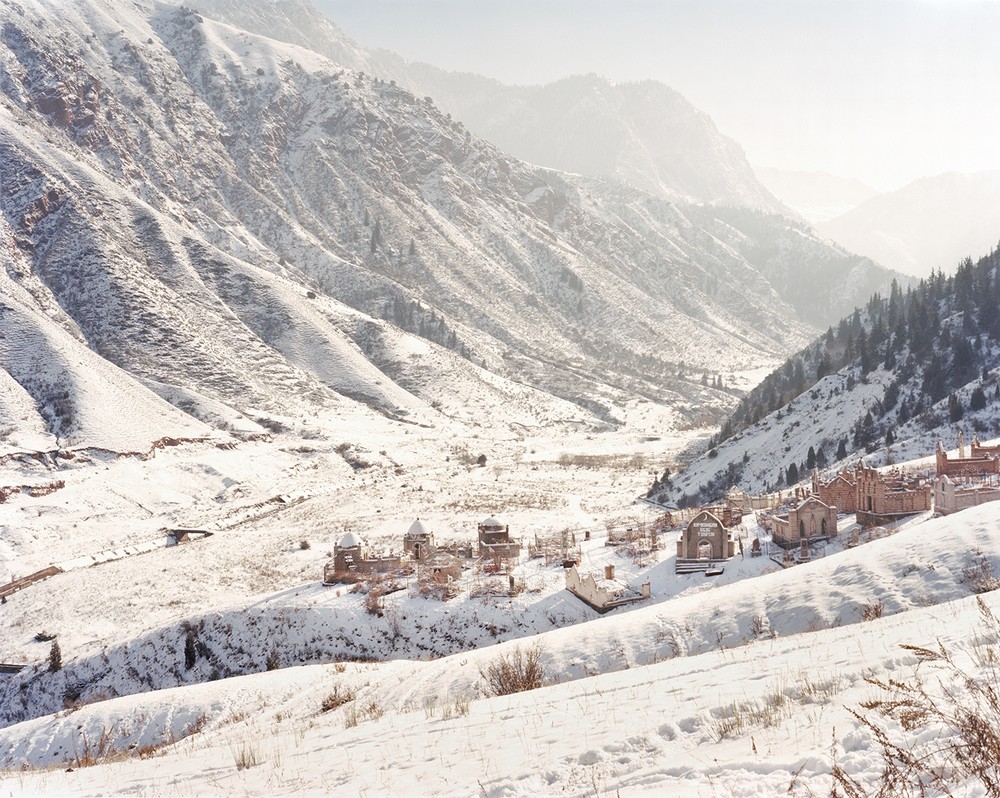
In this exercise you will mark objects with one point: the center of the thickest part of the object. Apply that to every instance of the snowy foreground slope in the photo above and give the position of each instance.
(690, 695)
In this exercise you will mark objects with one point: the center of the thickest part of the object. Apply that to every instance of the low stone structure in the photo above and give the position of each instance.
(953, 495)
(738, 499)
(811, 520)
(962, 466)
(353, 557)
(441, 569)
(604, 594)
(887, 497)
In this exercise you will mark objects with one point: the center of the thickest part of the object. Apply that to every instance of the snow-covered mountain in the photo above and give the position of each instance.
(885, 385)
(245, 227)
(929, 224)
(644, 134)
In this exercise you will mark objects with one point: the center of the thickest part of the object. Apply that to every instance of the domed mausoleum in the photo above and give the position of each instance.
(495, 541)
(418, 542)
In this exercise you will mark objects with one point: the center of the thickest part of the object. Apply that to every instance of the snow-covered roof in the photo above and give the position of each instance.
(417, 529)
(349, 541)
(491, 521)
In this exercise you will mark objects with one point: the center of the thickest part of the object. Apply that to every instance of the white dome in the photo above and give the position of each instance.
(349, 541)
(417, 528)
(491, 521)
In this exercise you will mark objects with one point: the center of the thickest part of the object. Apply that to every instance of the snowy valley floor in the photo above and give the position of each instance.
(738, 685)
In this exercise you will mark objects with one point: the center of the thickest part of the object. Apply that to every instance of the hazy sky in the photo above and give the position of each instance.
(882, 90)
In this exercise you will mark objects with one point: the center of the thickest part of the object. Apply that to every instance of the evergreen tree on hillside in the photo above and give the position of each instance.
(792, 474)
(955, 410)
(55, 657)
(933, 338)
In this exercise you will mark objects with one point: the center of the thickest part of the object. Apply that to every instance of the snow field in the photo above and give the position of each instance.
(629, 713)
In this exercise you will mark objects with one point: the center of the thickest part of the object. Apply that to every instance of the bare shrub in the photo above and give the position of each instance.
(373, 602)
(978, 574)
(337, 697)
(304, 545)
(273, 661)
(369, 710)
(394, 617)
(872, 610)
(459, 707)
(90, 752)
(514, 672)
(758, 625)
(948, 731)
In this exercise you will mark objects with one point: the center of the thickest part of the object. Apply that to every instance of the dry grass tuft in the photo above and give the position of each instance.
(947, 724)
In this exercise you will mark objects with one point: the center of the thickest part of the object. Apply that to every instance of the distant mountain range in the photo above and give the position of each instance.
(932, 223)
(816, 196)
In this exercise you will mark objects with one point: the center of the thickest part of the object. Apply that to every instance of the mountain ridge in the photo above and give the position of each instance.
(240, 223)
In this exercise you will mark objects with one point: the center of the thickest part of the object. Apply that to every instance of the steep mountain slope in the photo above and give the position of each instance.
(821, 282)
(931, 223)
(587, 125)
(186, 193)
(644, 134)
(816, 196)
(886, 385)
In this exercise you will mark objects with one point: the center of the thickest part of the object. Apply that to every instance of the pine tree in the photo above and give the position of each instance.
(864, 352)
(55, 657)
(190, 652)
(842, 449)
(811, 459)
(955, 409)
(792, 475)
(978, 399)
